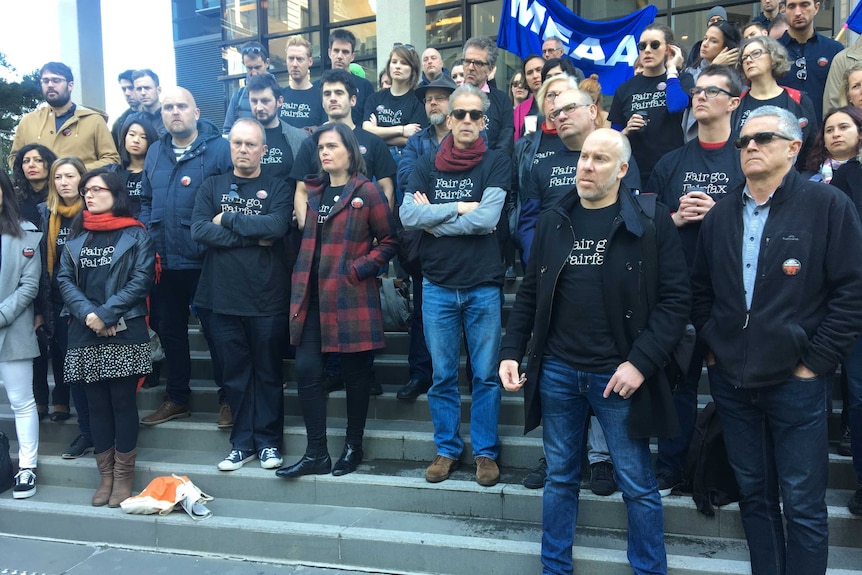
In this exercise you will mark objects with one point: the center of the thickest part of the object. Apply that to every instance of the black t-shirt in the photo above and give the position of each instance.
(395, 110)
(302, 108)
(461, 262)
(646, 96)
(278, 161)
(713, 171)
(133, 186)
(62, 237)
(378, 160)
(329, 197)
(580, 333)
(364, 88)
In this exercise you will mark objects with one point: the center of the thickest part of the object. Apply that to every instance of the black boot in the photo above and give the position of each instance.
(351, 457)
(315, 462)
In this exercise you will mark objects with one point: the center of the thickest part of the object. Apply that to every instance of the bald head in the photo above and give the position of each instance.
(180, 115)
(603, 163)
(432, 63)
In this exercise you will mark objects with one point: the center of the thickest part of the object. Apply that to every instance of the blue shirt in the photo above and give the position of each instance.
(754, 218)
(809, 66)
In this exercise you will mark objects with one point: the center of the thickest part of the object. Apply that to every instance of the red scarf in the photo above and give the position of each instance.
(108, 222)
(549, 130)
(452, 159)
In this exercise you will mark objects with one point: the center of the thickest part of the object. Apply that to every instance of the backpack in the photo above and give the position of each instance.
(709, 476)
(6, 469)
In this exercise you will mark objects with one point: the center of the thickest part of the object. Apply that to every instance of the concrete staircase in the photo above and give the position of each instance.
(385, 518)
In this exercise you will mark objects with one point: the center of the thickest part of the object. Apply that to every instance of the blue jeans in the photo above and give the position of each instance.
(853, 405)
(476, 312)
(566, 395)
(249, 350)
(777, 444)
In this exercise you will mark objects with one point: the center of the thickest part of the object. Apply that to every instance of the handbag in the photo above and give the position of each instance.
(157, 352)
(165, 493)
(395, 304)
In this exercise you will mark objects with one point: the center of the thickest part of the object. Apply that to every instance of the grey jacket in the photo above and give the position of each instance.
(19, 285)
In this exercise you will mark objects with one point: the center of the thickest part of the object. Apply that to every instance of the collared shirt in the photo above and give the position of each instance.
(754, 218)
(809, 66)
(60, 119)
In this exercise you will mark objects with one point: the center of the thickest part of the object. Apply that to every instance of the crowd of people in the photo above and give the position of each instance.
(275, 228)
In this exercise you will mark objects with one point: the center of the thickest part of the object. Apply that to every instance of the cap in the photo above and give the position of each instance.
(717, 11)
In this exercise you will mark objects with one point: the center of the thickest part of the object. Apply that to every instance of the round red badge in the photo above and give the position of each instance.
(186, 181)
(261, 194)
(791, 267)
(28, 252)
(661, 86)
(357, 203)
(822, 62)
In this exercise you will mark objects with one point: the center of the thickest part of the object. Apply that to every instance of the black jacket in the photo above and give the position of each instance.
(813, 316)
(646, 337)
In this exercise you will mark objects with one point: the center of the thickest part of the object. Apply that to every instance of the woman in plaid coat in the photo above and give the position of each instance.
(335, 304)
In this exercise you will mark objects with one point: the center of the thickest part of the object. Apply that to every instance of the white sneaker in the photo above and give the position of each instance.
(236, 459)
(270, 458)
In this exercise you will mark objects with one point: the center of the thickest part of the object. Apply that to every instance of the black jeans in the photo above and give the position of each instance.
(357, 373)
(114, 413)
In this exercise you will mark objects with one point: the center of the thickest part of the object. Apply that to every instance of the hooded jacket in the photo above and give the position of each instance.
(169, 188)
(84, 135)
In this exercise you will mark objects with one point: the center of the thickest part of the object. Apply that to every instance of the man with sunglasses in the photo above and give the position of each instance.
(601, 317)
(777, 287)
(255, 59)
(809, 51)
(689, 181)
(458, 196)
(241, 217)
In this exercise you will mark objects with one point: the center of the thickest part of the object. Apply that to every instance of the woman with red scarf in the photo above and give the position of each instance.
(349, 234)
(106, 271)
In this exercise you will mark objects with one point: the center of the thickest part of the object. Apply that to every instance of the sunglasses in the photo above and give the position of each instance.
(252, 50)
(400, 45)
(654, 44)
(711, 91)
(475, 115)
(760, 138)
(567, 109)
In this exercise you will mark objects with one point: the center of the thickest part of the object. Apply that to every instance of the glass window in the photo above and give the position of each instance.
(239, 19)
(444, 26)
(192, 20)
(342, 10)
(429, 3)
(278, 51)
(486, 18)
(449, 55)
(288, 15)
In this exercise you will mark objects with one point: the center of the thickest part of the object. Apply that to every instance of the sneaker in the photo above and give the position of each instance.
(166, 412)
(440, 469)
(535, 479)
(667, 482)
(844, 442)
(855, 505)
(236, 459)
(25, 484)
(270, 458)
(487, 472)
(81, 445)
(225, 417)
(602, 480)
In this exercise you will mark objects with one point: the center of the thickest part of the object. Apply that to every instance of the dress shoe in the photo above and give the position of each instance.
(487, 472)
(440, 469)
(413, 389)
(60, 413)
(310, 464)
(351, 457)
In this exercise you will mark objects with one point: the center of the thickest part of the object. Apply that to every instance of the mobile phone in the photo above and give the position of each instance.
(121, 325)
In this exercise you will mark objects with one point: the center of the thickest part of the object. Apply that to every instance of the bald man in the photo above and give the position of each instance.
(621, 323)
(191, 151)
(432, 66)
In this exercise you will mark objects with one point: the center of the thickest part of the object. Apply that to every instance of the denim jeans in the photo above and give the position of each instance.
(418, 356)
(673, 452)
(853, 405)
(250, 349)
(476, 312)
(566, 395)
(776, 440)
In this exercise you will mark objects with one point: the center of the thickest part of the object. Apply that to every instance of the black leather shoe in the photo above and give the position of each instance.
(413, 389)
(308, 465)
(350, 458)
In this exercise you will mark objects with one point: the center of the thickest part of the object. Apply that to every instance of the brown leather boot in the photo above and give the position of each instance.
(124, 475)
(105, 462)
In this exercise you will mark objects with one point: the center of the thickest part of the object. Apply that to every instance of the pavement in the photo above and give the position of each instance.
(36, 557)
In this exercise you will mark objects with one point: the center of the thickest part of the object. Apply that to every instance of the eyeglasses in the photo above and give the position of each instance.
(56, 80)
(94, 189)
(437, 98)
(760, 138)
(551, 96)
(802, 72)
(710, 91)
(654, 44)
(567, 109)
(400, 45)
(475, 115)
(477, 63)
(552, 50)
(753, 55)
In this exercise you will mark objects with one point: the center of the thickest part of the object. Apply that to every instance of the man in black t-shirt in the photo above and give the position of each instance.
(457, 198)
(342, 45)
(301, 107)
(601, 329)
(282, 140)
(242, 217)
(689, 181)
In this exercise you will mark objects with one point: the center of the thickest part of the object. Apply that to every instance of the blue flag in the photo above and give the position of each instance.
(608, 49)
(854, 21)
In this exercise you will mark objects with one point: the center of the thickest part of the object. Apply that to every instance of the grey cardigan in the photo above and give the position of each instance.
(19, 285)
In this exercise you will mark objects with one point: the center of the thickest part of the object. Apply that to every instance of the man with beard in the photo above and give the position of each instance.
(302, 107)
(127, 85)
(63, 126)
(282, 139)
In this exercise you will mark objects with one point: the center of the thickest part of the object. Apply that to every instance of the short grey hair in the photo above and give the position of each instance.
(466, 88)
(251, 122)
(483, 43)
(788, 124)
